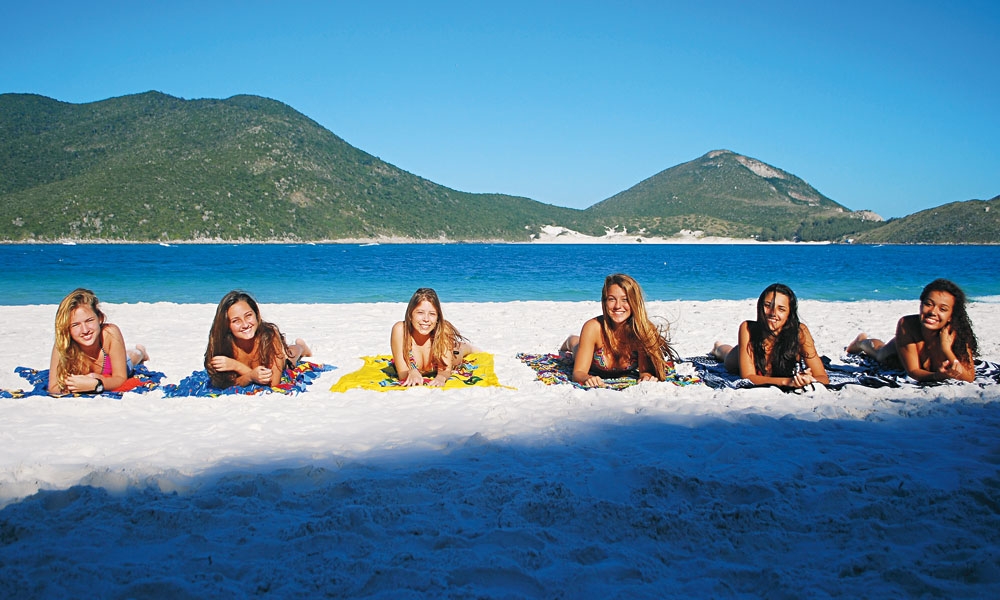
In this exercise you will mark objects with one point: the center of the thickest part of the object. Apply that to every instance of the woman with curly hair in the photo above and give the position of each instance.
(776, 349)
(89, 355)
(936, 344)
(243, 349)
(622, 341)
(424, 343)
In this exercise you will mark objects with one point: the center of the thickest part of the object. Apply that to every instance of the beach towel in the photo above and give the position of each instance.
(293, 381)
(552, 369)
(379, 374)
(855, 370)
(141, 381)
(869, 372)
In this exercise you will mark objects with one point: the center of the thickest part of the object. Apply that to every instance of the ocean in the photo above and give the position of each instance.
(348, 273)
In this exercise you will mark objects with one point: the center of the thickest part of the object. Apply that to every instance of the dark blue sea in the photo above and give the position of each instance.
(341, 273)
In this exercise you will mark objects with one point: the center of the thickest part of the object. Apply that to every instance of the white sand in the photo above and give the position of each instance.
(656, 491)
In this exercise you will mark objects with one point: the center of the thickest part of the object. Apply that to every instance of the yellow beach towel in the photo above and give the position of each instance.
(379, 374)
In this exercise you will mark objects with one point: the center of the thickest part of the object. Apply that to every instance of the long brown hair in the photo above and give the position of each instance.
(444, 337)
(220, 338)
(72, 360)
(639, 333)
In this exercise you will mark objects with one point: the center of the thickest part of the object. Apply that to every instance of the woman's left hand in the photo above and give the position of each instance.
(81, 384)
(646, 377)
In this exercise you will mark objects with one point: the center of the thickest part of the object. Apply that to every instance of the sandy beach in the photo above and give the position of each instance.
(536, 491)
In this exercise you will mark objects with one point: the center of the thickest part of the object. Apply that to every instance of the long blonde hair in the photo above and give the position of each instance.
(444, 338)
(639, 333)
(72, 360)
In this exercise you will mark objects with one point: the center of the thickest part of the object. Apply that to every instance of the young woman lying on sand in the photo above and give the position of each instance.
(621, 341)
(243, 349)
(424, 343)
(934, 345)
(772, 349)
(89, 354)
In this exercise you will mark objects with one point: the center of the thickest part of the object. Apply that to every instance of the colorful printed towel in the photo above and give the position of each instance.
(379, 374)
(141, 381)
(293, 381)
(855, 370)
(553, 368)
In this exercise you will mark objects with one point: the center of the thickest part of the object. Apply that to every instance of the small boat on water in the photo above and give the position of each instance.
(369, 244)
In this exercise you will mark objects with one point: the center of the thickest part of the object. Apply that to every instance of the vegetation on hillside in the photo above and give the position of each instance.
(154, 167)
(151, 167)
(969, 222)
(726, 194)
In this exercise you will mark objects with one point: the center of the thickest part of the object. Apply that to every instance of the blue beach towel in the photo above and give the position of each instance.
(293, 381)
(141, 381)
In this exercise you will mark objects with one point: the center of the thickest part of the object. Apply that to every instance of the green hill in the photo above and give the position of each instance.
(726, 194)
(969, 222)
(154, 167)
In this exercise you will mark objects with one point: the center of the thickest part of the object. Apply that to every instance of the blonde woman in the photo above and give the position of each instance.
(89, 355)
(424, 343)
(621, 341)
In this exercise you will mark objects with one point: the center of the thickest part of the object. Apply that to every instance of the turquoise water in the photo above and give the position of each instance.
(340, 273)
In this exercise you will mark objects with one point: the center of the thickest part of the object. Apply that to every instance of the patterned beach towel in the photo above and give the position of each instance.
(855, 370)
(293, 381)
(379, 374)
(141, 381)
(552, 369)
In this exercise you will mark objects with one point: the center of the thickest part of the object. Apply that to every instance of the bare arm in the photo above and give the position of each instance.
(749, 371)
(408, 375)
(908, 345)
(584, 357)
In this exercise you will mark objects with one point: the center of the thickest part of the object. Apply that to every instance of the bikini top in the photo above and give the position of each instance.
(601, 362)
(106, 369)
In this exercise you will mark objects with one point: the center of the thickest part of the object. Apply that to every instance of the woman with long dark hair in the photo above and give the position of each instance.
(243, 348)
(936, 344)
(776, 349)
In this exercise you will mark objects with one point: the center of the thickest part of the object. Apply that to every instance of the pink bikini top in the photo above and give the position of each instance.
(106, 369)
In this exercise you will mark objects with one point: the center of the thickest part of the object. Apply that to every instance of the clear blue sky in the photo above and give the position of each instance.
(889, 106)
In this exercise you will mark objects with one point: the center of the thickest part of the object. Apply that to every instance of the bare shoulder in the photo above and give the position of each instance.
(113, 332)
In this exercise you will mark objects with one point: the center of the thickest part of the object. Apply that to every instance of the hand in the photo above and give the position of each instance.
(81, 384)
(594, 381)
(952, 369)
(947, 337)
(802, 379)
(440, 380)
(413, 377)
(261, 375)
(646, 377)
(223, 363)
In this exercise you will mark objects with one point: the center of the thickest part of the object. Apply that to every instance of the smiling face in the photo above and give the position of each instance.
(243, 321)
(84, 327)
(936, 310)
(774, 311)
(616, 304)
(424, 318)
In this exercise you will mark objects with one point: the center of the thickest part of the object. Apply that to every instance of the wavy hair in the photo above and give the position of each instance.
(72, 360)
(966, 346)
(220, 338)
(444, 337)
(638, 333)
(786, 348)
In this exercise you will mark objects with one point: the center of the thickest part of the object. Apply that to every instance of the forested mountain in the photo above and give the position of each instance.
(151, 167)
(726, 194)
(969, 222)
(154, 167)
